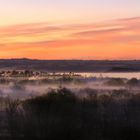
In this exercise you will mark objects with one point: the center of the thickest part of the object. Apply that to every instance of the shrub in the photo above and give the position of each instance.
(115, 82)
(133, 82)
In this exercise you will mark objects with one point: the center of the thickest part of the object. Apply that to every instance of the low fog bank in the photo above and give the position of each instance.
(23, 89)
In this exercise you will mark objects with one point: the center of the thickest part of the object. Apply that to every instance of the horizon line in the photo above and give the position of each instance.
(35, 59)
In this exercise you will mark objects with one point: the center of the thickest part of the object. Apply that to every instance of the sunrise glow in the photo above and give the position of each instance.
(70, 29)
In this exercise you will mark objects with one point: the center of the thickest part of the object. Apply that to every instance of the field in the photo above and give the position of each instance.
(69, 107)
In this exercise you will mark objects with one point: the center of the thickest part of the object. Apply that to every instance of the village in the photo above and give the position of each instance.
(36, 74)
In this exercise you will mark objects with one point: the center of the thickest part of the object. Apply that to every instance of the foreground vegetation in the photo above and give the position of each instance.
(60, 114)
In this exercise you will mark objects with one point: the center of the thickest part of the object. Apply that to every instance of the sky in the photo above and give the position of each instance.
(70, 29)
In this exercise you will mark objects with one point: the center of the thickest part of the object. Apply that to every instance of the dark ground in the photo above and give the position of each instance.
(61, 115)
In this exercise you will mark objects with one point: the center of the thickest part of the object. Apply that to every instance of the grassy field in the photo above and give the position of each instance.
(97, 109)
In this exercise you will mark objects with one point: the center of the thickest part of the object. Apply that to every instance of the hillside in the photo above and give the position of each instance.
(71, 65)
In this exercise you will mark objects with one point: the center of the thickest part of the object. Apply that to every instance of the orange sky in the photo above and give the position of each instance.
(115, 39)
(52, 29)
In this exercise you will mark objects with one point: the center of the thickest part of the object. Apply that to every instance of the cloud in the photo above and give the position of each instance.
(124, 30)
(101, 39)
(39, 32)
(27, 29)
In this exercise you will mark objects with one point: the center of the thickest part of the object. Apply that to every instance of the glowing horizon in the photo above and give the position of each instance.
(63, 29)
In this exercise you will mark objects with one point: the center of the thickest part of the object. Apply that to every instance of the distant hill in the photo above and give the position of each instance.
(71, 65)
